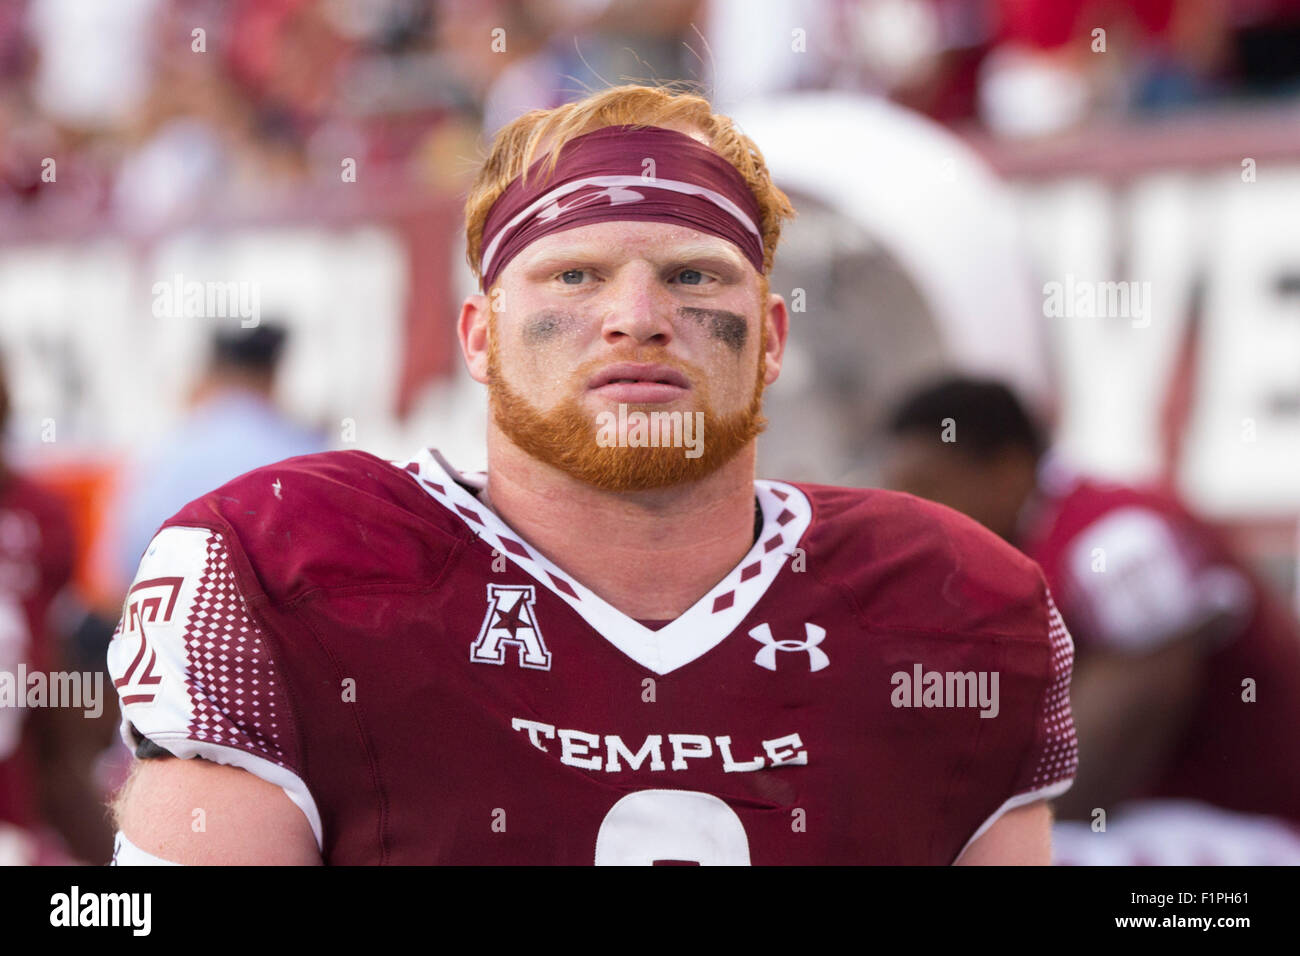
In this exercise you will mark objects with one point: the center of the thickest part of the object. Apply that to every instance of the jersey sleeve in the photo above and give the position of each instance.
(1051, 751)
(1138, 581)
(1053, 755)
(195, 671)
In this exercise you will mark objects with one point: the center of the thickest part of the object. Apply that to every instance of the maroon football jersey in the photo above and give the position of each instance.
(875, 682)
(1132, 569)
(35, 564)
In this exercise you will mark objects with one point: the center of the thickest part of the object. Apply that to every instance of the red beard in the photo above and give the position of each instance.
(568, 437)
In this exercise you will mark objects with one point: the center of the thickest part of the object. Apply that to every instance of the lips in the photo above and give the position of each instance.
(631, 373)
(639, 384)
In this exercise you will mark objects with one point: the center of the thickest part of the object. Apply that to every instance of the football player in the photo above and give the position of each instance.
(51, 809)
(616, 646)
(1187, 686)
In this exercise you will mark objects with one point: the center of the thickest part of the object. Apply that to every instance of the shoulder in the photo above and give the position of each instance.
(36, 529)
(1062, 517)
(1135, 570)
(342, 518)
(918, 564)
(1096, 526)
(945, 601)
(20, 493)
(316, 479)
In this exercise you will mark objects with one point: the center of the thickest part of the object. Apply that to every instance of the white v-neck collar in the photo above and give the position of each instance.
(702, 627)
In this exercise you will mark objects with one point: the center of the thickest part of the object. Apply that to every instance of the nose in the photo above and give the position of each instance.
(638, 308)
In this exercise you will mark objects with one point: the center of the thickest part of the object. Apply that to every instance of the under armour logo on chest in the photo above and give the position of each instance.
(766, 656)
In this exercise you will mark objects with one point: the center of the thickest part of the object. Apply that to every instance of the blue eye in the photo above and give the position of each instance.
(572, 276)
(690, 277)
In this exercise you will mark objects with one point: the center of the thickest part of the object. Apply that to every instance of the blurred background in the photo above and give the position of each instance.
(230, 232)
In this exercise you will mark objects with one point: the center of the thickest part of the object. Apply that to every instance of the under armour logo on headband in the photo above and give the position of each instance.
(617, 195)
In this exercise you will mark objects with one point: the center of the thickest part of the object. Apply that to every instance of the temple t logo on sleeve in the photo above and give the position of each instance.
(151, 602)
(510, 619)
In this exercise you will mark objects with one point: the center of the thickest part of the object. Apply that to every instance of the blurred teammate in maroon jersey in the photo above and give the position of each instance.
(46, 754)
(1187, 682)
(613, 647)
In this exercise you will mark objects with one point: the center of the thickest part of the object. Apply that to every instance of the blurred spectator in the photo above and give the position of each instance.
(47, 752)
(1057, 63)
(93, 69)
(1265, 39)
(1019, 67)
(142, 122)
(555, 51)
(1187, 672)
(232, 427)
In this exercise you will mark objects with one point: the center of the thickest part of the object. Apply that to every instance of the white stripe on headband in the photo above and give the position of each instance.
(672, 185)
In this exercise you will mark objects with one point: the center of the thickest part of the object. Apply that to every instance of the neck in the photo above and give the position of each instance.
(226, 381)
(651, 554)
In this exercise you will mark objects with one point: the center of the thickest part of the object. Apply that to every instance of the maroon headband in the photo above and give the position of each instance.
(603, 175)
